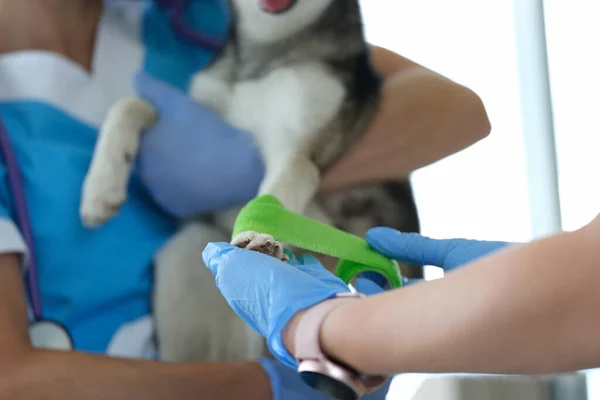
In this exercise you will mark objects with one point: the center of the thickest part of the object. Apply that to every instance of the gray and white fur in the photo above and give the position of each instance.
(299, 81)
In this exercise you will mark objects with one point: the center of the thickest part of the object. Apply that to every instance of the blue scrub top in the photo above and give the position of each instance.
(93, 281)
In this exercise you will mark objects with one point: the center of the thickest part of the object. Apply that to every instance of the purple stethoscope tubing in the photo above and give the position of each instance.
(176, 10)
(15, 183)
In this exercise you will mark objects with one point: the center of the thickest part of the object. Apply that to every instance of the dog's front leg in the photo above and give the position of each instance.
(293, 179)
(287, 111)
(105, 186)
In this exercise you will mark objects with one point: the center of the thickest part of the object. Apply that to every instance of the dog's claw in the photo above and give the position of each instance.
(261, 243)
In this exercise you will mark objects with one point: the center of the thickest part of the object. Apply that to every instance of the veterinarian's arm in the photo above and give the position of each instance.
(30, 374)
(424, 117)
(516, 312)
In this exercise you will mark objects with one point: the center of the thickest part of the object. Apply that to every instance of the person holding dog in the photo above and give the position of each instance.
(62, 64)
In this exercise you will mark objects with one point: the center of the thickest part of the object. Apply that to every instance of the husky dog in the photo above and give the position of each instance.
(296, 74)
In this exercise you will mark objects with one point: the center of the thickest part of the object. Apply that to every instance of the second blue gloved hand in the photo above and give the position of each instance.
(266, 292)
(412, 248)
(370, 283)
(192, 161)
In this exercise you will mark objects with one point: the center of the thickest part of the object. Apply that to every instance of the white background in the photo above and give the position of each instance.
(481, 192)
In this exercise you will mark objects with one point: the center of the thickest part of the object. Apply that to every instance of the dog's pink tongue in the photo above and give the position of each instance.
(276, 6)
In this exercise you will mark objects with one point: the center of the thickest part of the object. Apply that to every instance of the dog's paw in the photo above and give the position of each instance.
(262, 243)
(104, 192)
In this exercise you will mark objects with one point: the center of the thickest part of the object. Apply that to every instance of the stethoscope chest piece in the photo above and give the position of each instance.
(49, 335)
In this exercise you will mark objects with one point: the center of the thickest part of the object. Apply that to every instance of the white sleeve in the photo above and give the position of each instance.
(11, 241)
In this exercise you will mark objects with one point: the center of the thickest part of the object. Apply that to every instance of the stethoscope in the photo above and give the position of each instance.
(46, 333)
(43, 333)
(176, 11)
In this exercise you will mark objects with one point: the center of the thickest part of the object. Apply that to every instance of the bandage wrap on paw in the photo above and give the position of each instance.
(267, 215)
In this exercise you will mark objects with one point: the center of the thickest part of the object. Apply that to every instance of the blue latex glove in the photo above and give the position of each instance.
(412, 248)
(286, 384)
(192, 161)
(370, 283)
(266, 292)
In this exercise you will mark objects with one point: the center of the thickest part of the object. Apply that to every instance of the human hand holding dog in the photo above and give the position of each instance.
(192, 161)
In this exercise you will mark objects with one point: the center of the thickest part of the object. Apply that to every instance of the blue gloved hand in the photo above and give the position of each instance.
(412, 248)
(266, 292)
(370, 283)
(192, 161)
(286, 384)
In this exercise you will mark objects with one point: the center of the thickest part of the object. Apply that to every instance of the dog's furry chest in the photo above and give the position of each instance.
(284, 105)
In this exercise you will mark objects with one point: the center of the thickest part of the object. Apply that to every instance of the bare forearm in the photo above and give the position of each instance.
(31, 374)
(75, 376)
(423, 118)
(532, 309)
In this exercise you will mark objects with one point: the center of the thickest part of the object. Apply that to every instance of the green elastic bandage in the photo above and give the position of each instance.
(266, 215)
